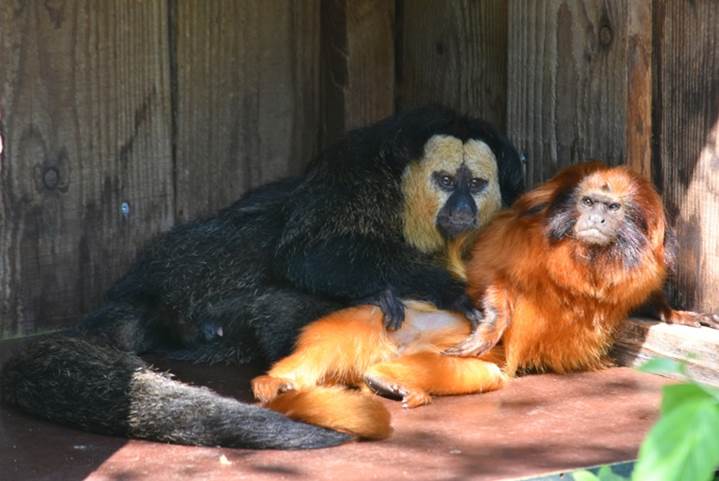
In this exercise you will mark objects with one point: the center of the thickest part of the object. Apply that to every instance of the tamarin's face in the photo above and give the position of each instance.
(602, 213)
(452, 189)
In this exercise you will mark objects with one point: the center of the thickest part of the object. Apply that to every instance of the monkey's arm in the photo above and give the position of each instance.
(489, 331)
(355, 267)
(657, 307)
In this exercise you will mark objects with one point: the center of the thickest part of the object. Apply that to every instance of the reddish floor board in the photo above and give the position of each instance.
(536, 425)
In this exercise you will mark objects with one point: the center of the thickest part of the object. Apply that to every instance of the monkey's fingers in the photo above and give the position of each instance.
(266, 388)
(474, 345)
(392, 308)
(466, 307)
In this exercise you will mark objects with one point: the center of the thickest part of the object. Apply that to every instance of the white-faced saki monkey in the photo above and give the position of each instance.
(367, 222)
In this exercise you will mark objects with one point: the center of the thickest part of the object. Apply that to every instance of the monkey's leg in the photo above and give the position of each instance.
(414, 377)
(487, 334)
(657, 306)
(335, 349)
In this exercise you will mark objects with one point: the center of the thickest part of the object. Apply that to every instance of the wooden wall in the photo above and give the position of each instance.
(120, 118)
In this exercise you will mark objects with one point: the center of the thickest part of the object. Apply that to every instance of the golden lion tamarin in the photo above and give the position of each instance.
(553, 276)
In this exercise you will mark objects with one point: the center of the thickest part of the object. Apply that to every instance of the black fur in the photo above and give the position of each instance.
(561, 215)
(240, 285)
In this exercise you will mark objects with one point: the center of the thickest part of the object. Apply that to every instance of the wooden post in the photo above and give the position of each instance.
(455, 53)
(358, 58)
(687, 132)
(247, 97)
(86, 173)
(639, 88)
(567, 82)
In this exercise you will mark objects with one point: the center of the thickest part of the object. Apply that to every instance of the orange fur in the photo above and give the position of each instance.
(564, 309)
(336, 408)
(546, 306)
(351, 346)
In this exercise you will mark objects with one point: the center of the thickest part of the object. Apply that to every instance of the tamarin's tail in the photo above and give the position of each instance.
(336, 408)
(101, 389)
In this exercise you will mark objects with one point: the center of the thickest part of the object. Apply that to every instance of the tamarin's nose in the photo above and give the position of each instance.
(597, 219)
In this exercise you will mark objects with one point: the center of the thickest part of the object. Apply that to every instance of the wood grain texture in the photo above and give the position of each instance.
(247, 95)
(358, 59)
(85, 119)
(639, 340)
(567, 71)
(687, 132)
(454, 53)
(639, 88)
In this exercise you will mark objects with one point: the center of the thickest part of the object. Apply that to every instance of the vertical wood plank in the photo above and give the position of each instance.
(86, 173)
(454, 53)
(687, 128)
(567, 72)
(639, 88)
(247, 95)
(358, 59)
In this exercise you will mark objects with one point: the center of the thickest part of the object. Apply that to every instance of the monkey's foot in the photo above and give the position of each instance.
(694, 319)
(411, 398)
(266, 388)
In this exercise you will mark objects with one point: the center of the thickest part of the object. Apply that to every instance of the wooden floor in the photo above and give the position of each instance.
(538, 424)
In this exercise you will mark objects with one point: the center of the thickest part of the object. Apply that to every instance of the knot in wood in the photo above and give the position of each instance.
(606, 35)
(51, 178)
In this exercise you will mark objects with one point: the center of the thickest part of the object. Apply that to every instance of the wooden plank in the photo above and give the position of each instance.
(454, 53)
(247, 95)
(358, 58)
(687, 132)
(567, 71)
(86, 174)
(640, 339)
(639, 88)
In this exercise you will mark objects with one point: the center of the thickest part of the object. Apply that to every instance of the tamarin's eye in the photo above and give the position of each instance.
(614, 206)
(587, 201)
(476, 184)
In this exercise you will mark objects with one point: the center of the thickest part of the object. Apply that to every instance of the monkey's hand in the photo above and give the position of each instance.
(487, 329)
(690, 318)
(392, 308)
(464, 306)
(479, 342)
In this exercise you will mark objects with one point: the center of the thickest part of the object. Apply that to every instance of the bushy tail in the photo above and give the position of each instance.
(105, 390)
(338, 409)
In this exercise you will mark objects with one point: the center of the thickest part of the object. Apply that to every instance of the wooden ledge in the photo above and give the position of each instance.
(698, 347)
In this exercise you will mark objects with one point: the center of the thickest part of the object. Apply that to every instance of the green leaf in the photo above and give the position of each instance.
(676, 395)
(660, 365)
(606, 474)
(584, 476)
(683, 445)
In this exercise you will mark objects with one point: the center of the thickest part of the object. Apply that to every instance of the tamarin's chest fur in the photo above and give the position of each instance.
(548, 335)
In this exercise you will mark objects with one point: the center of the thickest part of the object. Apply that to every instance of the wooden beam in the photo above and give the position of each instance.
(640, 339)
